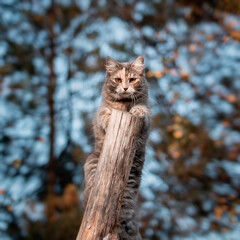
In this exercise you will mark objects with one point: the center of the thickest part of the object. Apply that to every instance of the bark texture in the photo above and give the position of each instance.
(101, 214)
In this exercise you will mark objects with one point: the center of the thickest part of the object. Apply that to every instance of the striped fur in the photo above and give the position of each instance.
(126, 89)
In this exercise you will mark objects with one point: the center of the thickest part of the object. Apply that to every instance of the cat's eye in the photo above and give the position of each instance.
(132, 79)
(118, 80)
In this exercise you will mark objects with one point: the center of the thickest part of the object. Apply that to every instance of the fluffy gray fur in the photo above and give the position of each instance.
(125, 88)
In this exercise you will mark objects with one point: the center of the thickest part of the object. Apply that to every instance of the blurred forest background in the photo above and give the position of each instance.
(52, 57)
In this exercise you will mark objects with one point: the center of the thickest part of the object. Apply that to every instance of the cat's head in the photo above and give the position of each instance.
(125, 80)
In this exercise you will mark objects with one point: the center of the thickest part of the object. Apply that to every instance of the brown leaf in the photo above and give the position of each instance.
(225, 207)
(235, 35)
(218, 212)
(175, 154)
(9, 208)
(225, 39)
(222, 200)
(232, 156)
(17, 163)
(225, 123)
(192, 47)
(157, 74)
(231, 197)
(40, 139)
(183, 75)
(231, 98)
(210, 37)
(178, 134)
(149, 74)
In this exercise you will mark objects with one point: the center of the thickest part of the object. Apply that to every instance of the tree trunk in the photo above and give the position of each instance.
(51, 175)
(101, 214)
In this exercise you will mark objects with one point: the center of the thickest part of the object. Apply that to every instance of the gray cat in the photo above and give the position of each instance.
(126, 89)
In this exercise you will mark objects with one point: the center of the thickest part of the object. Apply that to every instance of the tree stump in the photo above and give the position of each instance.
(102, 210)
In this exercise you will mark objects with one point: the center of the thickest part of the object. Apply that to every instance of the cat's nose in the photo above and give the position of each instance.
(126, 88)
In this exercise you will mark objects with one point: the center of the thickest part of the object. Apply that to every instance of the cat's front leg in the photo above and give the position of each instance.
(103, 117)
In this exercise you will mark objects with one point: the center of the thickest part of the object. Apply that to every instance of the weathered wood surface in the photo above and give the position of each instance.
(101, 214)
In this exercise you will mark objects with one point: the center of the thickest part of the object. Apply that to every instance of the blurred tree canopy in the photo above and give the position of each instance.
(52, 57)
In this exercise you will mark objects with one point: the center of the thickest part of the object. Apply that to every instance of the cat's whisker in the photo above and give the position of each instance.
(133, 98)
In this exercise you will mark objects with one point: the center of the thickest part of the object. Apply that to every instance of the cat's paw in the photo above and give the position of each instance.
(111, 236)
(140, 111)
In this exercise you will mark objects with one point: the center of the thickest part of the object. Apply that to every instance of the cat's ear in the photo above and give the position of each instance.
(138, 64)
(111, 65)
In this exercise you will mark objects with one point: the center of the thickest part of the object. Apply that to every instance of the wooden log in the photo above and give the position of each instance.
(101, 214)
